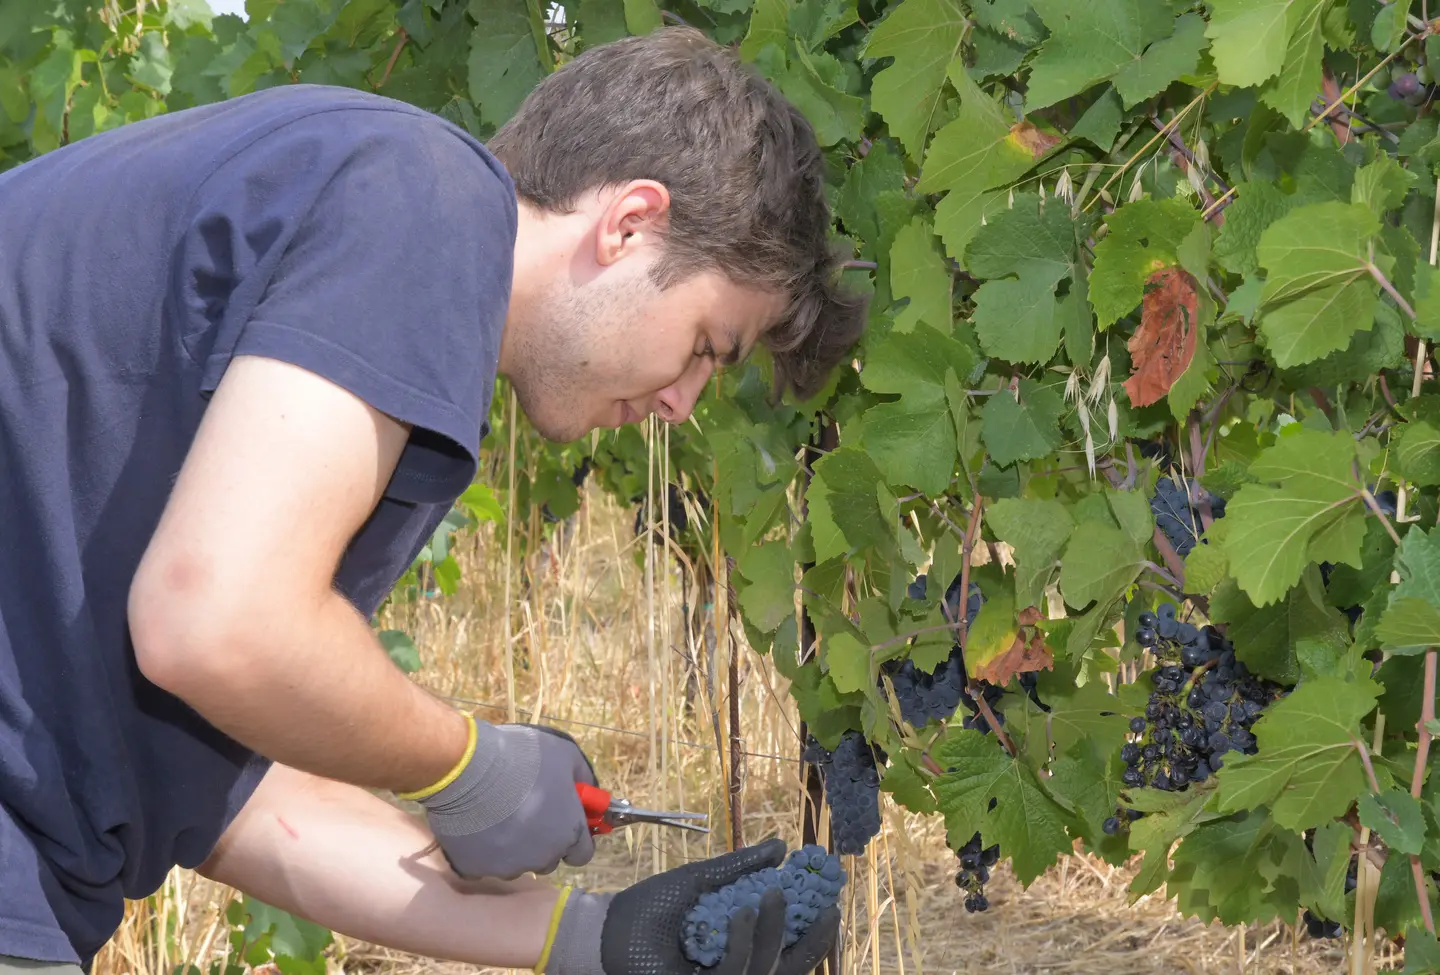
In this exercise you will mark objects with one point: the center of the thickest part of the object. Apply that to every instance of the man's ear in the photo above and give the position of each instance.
(632, 221)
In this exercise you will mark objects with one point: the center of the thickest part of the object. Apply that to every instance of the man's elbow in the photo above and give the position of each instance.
(188, 631)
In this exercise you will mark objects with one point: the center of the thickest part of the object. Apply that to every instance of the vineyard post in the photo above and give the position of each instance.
(825, 440)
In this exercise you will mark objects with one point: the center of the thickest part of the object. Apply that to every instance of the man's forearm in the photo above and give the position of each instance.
(348, 860)
(315, 690)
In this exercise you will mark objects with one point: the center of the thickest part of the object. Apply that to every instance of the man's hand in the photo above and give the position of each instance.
(511, 806)
(638, 931)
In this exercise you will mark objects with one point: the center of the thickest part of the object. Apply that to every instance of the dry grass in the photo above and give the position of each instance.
(604, 648)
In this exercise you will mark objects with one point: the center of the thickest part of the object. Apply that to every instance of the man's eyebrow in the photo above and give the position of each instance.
(732, 357)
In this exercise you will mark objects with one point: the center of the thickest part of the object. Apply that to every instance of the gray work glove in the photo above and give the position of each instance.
(638, 930)
(514, 808)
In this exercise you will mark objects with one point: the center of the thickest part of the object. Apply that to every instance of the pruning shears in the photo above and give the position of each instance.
(604, 812)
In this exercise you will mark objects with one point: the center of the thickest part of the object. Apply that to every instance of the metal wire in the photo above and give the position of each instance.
(609, 728)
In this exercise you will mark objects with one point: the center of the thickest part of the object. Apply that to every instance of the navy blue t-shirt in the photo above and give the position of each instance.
(355, 236)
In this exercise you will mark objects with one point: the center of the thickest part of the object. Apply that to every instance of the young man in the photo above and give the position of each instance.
(246, 357)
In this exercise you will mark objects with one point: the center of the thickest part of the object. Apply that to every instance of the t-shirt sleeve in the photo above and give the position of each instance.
(373, 248)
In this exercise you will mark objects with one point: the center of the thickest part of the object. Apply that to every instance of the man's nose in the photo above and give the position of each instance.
(676, 402)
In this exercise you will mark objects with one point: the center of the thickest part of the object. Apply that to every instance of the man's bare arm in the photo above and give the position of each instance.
(232, 608)
(348, 860)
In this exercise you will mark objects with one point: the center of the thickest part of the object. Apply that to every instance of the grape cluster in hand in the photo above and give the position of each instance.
(852, 789)
(975, 863)
(1202, 706)
(1177, 511)
(810, 879)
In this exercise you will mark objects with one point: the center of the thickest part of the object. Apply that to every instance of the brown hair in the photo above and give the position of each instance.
(744, 171)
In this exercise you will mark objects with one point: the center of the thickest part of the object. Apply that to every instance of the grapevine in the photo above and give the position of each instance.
(1154, 297)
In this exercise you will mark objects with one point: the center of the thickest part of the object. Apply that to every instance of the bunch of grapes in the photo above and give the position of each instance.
(810, 879)
(1177, 511)
(852, 789)
(1413, 86)
(976, 599)
(922, 695)
(1202, 706)
(975, 863)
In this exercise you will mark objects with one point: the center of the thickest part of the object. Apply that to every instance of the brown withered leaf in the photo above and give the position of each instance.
(1031, 139)
(1028, 652)
(1164, 344)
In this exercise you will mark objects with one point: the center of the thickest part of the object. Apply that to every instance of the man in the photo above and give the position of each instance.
(247, 353)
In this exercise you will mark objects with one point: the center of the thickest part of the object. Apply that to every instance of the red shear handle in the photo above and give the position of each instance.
(596, 802)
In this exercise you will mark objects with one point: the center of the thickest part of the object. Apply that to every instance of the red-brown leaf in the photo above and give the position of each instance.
(1028, 652)
(1164, 344)
(1032, 140)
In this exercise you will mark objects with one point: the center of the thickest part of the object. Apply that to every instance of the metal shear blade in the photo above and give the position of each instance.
(621, 813)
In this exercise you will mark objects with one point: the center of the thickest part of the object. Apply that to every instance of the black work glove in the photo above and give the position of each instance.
(638, 931)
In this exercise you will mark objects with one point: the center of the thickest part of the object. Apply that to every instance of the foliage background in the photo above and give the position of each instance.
(1104, 242)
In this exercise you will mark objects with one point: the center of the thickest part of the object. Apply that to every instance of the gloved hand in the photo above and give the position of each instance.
(638, 930)
(511, 806)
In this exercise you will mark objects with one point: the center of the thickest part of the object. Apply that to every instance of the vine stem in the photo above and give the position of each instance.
(1369, 768)
(1172, 560)
(1154, 139)
(967, 546)
(1161, 573)
(1375, 507)
(1422, 757)
(394, 55)
(1379, 276)
(978, 696)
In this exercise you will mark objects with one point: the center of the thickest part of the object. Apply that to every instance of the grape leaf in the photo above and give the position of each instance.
(504, 65)
(913, 440)
(1416, 449)
(1380, 185)
(1096, 41)
(1310, 515)
(923, 36)
(904, 782)
(913, 363)
(844, 513)
(847, 661)
(768, 594)
(1025, 821)
(1427, 301)
(1029, 240)
(1037, 530)
(1266, 638)
(1163, 345)
(1099, 559)
(1026, 654)
(1022, 425)
(1101, 121)
(1143, 237)
(1017, 320)
(1249, 38)
(1396, 816)
(1293, 90)
(1422, 951)
(1256, 206)
(1014, 19)
(1318, 289)
(918, 272)
(1411, 621)
(1306, 768)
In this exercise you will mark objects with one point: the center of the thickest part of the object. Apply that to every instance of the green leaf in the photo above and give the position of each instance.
(1256, 206)
(768, 598)
(1101, 122)
(1396, 816)
(1037, 530)
(904, 782)
(913, 440)
(150, 64)
(1427, 301)
(918, 272)
(1266, 639)
(1416, 449)
(1107, 39)
(1311, 514)
(1293, 90)
(1014, 19)
(833, 114)
(844, 513)
(504, 64)
(1142, 238)
(1025, 821)
(923, 36)
(913, 363)
(1250, 38)
(401, 650)
(1380, 185)
(291, 936)
(1422, 951)
(769, 25)
(1023, 425)
(848, 662)
(1099, 560)
(1306, 767)
(1411, 621)
(1030, 240)
(601, 21)
(1017, 320)
(1318, 289)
